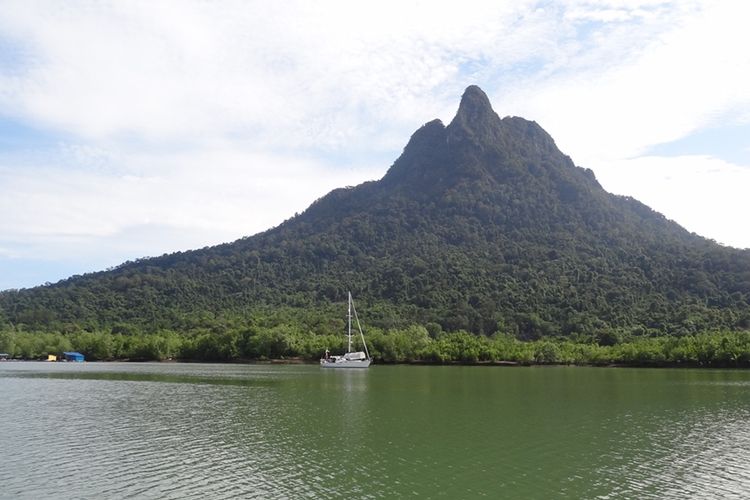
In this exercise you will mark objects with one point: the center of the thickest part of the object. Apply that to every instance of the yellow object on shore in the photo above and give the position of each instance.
(51, 357)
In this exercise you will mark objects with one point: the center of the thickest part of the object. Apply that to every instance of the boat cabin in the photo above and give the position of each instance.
(355, 356)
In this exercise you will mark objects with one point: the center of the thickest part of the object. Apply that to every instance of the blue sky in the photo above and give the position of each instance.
(132, 129)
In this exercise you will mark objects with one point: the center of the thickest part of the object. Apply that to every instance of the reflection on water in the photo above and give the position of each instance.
(261, 431)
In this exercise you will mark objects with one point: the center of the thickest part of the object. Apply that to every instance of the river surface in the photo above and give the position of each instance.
(127, 430)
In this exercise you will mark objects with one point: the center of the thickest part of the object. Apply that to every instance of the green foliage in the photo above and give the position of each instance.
(33, 345)
(399, 345)
(410, 344)
(480, 226)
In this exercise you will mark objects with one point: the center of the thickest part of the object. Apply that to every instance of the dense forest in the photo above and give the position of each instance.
(414, 344)
(480, 228)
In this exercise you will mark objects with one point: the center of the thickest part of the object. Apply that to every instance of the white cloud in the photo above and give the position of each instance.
(179, 124)
(211, 196)
(677, 79)
(330, 75)
(619, 10)
(704, 195)
(681, 79)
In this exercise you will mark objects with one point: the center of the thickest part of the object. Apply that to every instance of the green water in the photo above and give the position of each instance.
(116, 430)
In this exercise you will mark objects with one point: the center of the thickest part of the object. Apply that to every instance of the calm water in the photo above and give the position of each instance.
(115, 430)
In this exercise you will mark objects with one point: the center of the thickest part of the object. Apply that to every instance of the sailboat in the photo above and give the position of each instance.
(350, 359)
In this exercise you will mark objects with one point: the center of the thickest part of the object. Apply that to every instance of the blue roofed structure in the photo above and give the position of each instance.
(73, 356)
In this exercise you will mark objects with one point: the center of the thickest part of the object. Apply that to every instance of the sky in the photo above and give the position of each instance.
(137, 128)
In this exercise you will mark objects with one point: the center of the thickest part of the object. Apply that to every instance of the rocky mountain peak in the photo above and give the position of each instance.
(475, 121)
(475, 105)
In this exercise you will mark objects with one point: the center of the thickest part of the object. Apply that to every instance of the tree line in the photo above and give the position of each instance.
(413, 344)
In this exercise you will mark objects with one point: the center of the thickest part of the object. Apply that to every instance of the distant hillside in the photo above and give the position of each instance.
(483, 225)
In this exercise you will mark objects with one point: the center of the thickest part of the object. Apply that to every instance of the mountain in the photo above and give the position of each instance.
(482, 225)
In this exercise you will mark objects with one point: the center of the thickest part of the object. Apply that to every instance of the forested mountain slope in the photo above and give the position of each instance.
(482, 225)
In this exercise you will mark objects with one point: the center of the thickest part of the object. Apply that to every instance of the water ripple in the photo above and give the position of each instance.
(197, 431)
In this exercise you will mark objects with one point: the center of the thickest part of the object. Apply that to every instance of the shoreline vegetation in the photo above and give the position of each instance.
(483, 242)
(410, 345)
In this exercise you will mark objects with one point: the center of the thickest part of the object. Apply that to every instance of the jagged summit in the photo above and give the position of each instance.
(475, 122)
(474, 94)
(474, 103)
(480, 147)
(475, 108)
(432, 154)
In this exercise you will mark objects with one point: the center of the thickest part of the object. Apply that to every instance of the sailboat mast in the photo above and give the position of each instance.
(350, 323)
(361, 334)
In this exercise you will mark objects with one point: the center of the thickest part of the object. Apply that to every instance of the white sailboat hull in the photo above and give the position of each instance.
(350, 359)
(345, 363)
